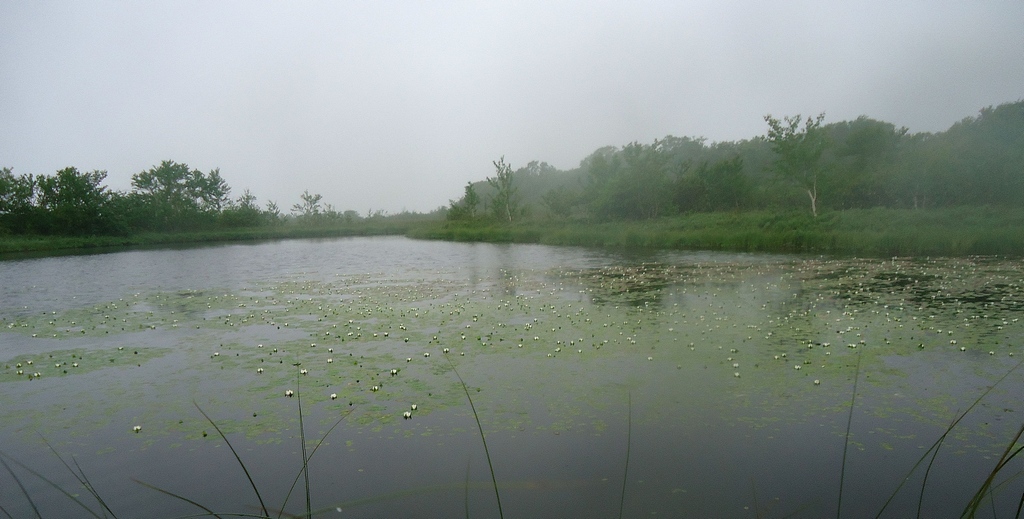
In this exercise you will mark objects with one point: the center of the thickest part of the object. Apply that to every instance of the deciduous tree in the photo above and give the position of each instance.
(799, 150)
(505, 201)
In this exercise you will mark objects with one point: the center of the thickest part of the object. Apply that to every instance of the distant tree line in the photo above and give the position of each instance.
(170, 197)
(800, 163)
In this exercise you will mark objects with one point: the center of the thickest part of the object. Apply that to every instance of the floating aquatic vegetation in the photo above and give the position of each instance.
(758, 347)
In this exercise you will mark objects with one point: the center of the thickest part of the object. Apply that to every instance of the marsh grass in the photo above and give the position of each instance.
(862, 232)
(26, 245)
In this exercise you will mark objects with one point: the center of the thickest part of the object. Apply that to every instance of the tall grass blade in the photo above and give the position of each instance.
(487, 452)
(177, 496)
(629, 438)
(22, 487)
(311, 454)
(302, 438)
(942, 438)
(263, 507)
(47, 481)
(1008, 454)
(84, 480)
(846, 444)
(81, 477)
(928, 469)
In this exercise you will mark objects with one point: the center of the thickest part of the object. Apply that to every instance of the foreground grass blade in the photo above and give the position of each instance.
(81, 477)
(302, 438)
(482, 438)
(311, 454)
(1008, 454)
(176, 496)
(44, 479)
(846, 444)
(928, 469)
(942, 438)
(22, 487)
(237, 457)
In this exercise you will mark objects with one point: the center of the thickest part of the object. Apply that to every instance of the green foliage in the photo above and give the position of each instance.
(74, 203)
(719, 187)
(876, 232)
(184, 204)
(465, 209)
(243, 212)
(309, 207)
(16, 201)
(505, 202)
(799, 152)
(174, 198)
(859, 164)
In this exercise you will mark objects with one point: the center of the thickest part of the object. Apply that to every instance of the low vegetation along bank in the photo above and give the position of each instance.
(863, 232)
(27, 244)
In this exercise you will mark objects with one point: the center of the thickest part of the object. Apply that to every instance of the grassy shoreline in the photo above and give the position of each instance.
(18, 246)
(864, 232)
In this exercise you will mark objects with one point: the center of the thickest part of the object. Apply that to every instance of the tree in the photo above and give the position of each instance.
(471, 200)
(799, 152)
(310, 205)
(465, 208)
(213, 191)
(560, 201)
(16, 201)
(634, 183)
(243, 212)
(73, 202)
(505, 201)
(718, 187)
(272, 214)
(863, 158)
(177, 197)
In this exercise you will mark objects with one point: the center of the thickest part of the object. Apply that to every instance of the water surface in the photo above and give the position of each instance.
(728, 378)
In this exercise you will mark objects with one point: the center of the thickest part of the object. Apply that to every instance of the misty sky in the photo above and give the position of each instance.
(396, 105)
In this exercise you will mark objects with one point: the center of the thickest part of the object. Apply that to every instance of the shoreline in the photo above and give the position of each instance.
(964, 231)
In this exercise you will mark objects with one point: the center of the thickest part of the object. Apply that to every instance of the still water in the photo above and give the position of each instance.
(661, 383)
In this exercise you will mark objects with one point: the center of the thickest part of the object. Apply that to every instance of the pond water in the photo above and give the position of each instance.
(662, 383)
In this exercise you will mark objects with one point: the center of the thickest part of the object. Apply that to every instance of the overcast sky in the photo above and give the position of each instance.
(396, 105)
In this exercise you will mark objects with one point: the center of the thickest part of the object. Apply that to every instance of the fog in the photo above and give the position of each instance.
(395, 106)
